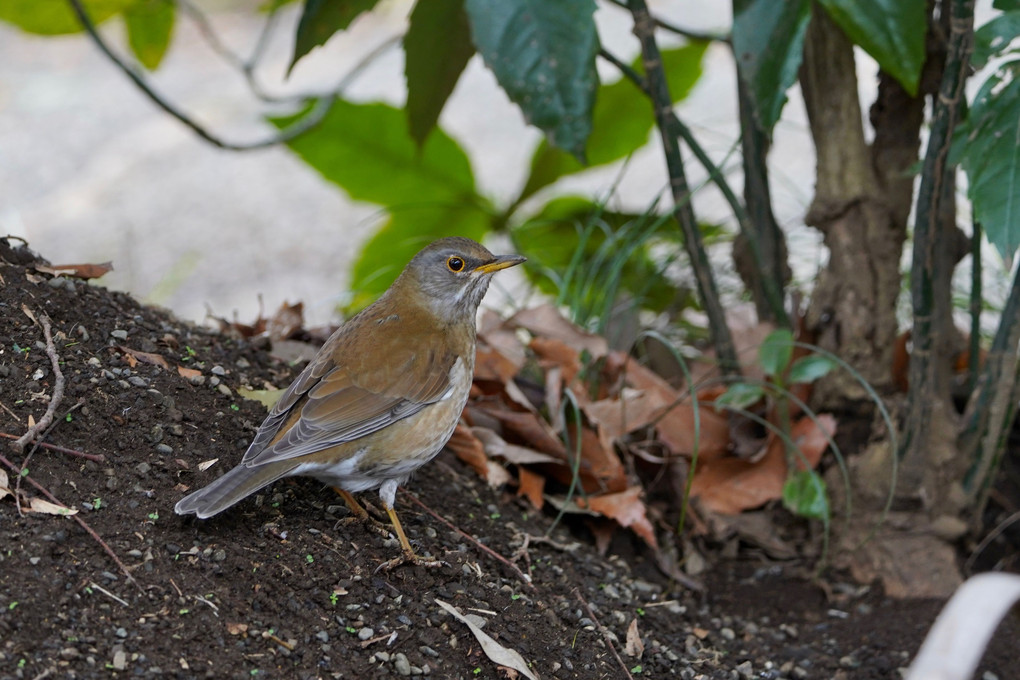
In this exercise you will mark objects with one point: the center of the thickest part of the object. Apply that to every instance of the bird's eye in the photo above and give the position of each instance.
(455, 263)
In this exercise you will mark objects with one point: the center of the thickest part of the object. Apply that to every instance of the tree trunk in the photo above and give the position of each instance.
(861, 212)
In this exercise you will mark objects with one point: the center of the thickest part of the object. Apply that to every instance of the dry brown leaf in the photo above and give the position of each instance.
(554, 352)
(237, 628)
(497, 653)
(531, 486)
(206, 464)
(288, 320)
(78, 271)
(45, 507)
(627, 508)
(491, 364)
(634, 647)
(730, 485)
(546, 322)
(496, 475)
(527, 427)
(496, 446)
(144, 357)
(4, 489)
(188, 373)
(469, 449)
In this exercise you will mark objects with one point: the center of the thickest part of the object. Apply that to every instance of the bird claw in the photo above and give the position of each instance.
(411, 558)
(369, 524)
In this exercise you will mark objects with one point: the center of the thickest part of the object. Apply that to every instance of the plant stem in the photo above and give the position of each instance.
(644, 29)
(974, 356)
(935, 174)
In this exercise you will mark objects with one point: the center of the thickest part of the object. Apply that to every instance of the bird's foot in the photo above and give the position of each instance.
(369, 523)
(409, 557)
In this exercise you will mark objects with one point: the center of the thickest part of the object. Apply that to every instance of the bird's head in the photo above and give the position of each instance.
(452, 275)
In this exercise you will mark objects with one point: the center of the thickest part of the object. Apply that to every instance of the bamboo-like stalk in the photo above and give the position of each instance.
(644, 29)
(935, 174)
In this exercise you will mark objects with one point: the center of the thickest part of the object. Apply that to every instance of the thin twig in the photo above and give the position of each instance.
(992, 535)
(110, 595)
(58, 390)
(95, 457)
(306, 123)
(484, 548)
(604, 631)
(12, 414)
(690, 34)
(84, 525)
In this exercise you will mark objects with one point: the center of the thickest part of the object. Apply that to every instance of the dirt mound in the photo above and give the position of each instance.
(275, 588)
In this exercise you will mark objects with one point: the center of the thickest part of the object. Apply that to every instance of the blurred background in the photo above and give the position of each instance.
(91, 170)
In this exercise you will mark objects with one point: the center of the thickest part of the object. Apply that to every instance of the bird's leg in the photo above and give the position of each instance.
(360, 515)
(408, 556)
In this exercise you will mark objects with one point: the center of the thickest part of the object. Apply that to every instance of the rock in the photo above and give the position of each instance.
(120, 335)
(217, 370)
(164, 449)
(138, 381)
(365, 634)
(401, 664)
(745, 670)
(119, 660)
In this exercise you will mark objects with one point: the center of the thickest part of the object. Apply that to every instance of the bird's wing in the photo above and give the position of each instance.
(331, 404)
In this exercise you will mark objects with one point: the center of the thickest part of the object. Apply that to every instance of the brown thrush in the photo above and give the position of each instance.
(382, 396)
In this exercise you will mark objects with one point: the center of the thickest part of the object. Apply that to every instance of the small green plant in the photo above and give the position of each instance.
(333, 597)
(153, 516)
(309, 559)
(235, 407)
(97, 503)
(515, 596)
(637, 670)
(68, 418)
(352, 630)
(804, 491)
(22, 663)
(12, 605)
(640, 611)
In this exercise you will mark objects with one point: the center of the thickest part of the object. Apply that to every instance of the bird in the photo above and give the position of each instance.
(380, 398)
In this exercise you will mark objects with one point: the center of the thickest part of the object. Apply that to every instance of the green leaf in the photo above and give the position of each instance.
(768, 41)
(621, 120)
(150, 23)
(1006, 5)
(55, 17)
(437, 47)
(991, 159)
(810, 368)
(741, 395)
(891, 31)
(320, 19)
(994, 36)
(407, 231)
(367, 150)
(804, 494)
(775, 352)
(543, 55)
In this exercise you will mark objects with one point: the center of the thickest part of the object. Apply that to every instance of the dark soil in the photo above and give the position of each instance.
(276, 588)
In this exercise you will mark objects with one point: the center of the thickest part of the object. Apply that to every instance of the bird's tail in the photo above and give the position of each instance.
(234, 486)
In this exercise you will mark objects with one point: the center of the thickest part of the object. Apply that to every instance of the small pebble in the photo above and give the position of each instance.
(143, 468)
(745, 670)
(322, 636)
(119, 660)
(382, 656)
(217, 370)
(164, 449)
(197, 380)
(365, 634)
(428, 651)
(401, 664)
(223, 389)
(138, 381)
(94, 361)
(728, 634)
(120, 335)
(121, 632)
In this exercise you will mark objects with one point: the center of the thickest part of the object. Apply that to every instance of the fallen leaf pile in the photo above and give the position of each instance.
(556, 413)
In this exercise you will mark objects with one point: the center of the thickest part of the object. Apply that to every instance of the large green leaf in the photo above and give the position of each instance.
(768, 41)
(320, 19)
(150, 23)
(891, 31)
(991, 159)
(55, 17)
(543, 55)
(408, 230)
(993, 36)
(437, 47)
(367, 150)
(775, 352)
(621, 120)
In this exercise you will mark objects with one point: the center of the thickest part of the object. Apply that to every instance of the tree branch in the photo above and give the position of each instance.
(690, 34)
(322, 106)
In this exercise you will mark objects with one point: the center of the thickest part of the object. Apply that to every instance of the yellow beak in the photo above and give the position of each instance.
(501, 262)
